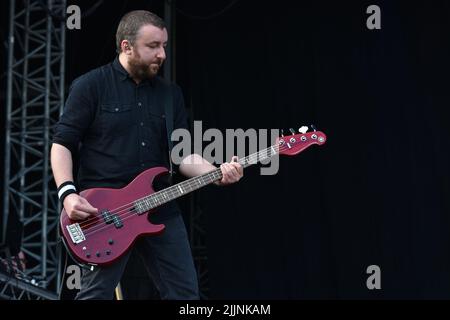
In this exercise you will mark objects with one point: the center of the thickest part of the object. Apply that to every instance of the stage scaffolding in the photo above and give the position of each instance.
(34, 100)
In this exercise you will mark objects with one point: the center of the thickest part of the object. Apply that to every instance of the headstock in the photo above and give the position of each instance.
(297, 142)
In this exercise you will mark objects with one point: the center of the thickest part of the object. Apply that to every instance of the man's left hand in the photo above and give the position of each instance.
(231, 171)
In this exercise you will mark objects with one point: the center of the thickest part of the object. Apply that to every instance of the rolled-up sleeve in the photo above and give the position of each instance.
(78, 113)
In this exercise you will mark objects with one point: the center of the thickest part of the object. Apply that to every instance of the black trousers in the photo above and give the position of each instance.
(168, 260)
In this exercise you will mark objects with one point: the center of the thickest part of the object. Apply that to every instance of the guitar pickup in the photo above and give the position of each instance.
(117, 222)
(112, 218)
(107, 217)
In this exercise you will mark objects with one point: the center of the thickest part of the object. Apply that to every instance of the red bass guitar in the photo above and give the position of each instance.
(122, 218)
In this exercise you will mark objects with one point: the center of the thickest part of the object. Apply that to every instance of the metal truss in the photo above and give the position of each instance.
(35, 96)
(14, 288)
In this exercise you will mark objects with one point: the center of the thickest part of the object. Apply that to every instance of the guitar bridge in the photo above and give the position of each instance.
(75, 232)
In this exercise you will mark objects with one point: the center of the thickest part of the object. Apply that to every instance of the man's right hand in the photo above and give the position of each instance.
(78, 208)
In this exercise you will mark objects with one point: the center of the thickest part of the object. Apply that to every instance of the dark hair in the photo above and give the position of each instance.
(130, 24)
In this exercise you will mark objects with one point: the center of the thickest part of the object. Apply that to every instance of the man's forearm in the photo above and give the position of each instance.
(194, 165)
(61, 161)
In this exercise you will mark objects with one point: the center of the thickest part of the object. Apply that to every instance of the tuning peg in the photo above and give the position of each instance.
(313, 127)
(303, 129)
(282, 133)
(292, 131)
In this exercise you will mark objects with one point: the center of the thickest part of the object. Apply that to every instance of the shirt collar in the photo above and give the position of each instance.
(124, 75)
(118, 67)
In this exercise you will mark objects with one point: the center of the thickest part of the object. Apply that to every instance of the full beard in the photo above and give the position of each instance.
(142, 71)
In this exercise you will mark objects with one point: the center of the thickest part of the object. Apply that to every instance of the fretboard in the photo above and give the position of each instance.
(161, 197)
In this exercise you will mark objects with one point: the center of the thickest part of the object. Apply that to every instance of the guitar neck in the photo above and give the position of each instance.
(161, 197)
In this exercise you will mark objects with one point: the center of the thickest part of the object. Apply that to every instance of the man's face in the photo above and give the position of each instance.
(148, 53)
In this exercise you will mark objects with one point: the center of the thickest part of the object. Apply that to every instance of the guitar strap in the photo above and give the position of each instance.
(168, 110)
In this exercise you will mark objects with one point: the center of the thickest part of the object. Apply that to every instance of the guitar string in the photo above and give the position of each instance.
(174, 189)
(102, 225)
(123, 213)
(89, 230)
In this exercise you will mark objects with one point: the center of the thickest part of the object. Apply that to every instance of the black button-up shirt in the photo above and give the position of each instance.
(117, 127)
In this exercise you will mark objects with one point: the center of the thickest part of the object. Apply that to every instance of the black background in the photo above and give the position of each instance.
(376, 194)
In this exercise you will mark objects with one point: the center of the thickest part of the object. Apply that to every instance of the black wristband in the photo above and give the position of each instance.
(65, 189)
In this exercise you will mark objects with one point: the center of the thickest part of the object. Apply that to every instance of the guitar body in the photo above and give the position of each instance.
(112, 232)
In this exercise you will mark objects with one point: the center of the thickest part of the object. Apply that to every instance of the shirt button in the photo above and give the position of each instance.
(143, 143)
(142, 165)
(116, 109)
(141, 124)
(139, 104)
